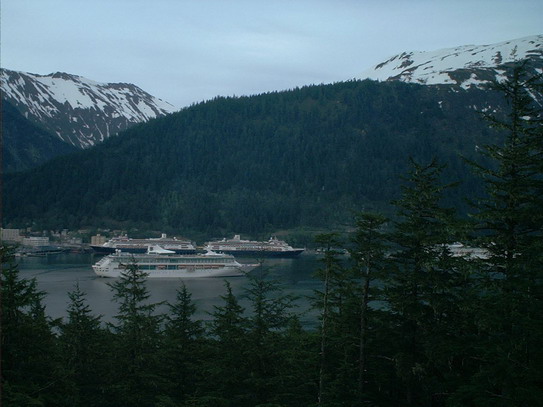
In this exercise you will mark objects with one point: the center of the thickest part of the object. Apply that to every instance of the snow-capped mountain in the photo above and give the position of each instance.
(79, 111)
(468, 65)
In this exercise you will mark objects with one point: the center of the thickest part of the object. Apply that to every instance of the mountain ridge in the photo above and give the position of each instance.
(307, 157)
(79, 111)
(465, 66)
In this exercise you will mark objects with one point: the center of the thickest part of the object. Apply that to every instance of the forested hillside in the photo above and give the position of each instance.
(403, 318)
(25, 145)
(305, 157)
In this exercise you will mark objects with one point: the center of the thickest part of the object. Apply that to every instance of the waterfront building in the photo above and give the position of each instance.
(98, 240)
(11, 235)
(36, 241)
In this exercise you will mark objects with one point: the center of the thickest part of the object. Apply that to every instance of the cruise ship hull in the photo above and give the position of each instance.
(183, 273)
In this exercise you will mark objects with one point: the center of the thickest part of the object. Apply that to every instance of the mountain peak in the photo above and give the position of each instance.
(78, 110)
(63, 75)
(449, 65)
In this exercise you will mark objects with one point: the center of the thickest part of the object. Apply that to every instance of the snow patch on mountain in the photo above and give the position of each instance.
(467, 66)
(78, 110)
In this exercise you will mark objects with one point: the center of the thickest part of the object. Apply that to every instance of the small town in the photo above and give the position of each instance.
(30, 243)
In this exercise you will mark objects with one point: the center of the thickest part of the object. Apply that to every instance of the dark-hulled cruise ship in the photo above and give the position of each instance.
(128, 245)
(238, 247)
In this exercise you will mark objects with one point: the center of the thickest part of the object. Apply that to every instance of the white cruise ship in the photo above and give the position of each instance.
(161, 263)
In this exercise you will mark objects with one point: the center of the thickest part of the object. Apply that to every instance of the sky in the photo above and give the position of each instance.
(188, 51)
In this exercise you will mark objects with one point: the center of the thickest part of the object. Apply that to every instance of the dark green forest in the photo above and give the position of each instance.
(402, 320)
(307, 157)
(26, 145)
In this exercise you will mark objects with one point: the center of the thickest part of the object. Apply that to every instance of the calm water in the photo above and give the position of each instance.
(57, 275)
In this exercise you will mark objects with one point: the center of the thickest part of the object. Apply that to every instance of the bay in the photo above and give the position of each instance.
(57, 275)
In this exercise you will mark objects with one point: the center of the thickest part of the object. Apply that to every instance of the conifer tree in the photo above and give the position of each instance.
(135, 377)
(297, 385)
(367, 253)
(266, 325)
(84, 345)
(423, 284)
(31, 370)
(229, 329)
(510, 216)
(183, 342)
(330, 303)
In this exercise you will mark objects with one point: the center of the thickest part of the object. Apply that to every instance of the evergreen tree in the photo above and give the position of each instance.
(335, 302)
(424, 286)
(367, 253)
(297, 384)
(84, 345)
(510, 318)
(31, 370)
(229, 329)
(265, 328)
(183, 348)
(135, 377)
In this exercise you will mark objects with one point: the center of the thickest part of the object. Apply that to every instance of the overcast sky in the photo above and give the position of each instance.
(186, 51)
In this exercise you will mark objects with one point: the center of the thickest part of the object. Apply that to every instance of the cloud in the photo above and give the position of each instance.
(185, 51)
